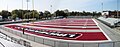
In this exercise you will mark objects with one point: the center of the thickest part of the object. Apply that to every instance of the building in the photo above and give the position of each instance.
(111, 14)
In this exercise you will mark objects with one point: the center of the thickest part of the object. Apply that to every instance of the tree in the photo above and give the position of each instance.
(9, 14)
(41, 15)
(27, 15)
(57, 13)
(18, 12)
(61, 13)
(99, 14)
(46, 14)
(84, 13)
(14, 16)
(5, 14)
(34, 14)
(0, 13)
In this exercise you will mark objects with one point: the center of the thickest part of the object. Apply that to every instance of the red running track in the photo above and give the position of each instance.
(92, 28)
(69, 22)
(83, 36)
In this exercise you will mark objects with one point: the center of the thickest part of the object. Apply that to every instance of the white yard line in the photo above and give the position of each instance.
(86, 22)
(102, 31)
(72, 31)
(59, 29)
(64, 26)
(62, 39)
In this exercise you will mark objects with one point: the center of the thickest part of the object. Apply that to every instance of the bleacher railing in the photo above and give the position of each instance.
(2, 44)
(56, 43)
(14, 40)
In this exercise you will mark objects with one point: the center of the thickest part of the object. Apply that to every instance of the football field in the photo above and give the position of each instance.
(65, 29)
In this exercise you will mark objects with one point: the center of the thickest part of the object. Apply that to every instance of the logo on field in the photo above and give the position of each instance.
(48, 32)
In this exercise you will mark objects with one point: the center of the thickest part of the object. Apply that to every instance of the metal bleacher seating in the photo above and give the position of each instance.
(12, 42)
(110, 21)
(2, 45)
(80, 17)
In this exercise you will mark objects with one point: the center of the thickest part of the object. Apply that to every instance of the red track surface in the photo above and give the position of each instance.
(94, 28)
(83, 36)
(86, 36)
(69, 22)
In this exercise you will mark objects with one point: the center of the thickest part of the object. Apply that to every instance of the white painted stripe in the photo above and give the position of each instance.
(67, 40)
(59, 29)
(102, 30)
(61, 39)
(66, 26)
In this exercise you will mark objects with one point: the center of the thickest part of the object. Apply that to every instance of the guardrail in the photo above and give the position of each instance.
(60, 43)
(80, 17)
(15, 40)
(112, 22)
(2, 44)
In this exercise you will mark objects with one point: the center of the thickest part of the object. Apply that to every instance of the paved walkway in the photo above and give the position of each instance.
(117, 29)
(33, 44)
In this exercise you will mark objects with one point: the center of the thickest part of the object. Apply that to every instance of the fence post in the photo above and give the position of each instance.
(98, 44)
(83, 44)
(113, 44)
(68, 44)
(43, 41)
(54, 43)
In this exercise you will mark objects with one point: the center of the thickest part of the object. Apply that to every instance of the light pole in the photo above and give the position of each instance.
(22, 4)
(27, 4)
(22, 10)
(117, 8)
(33, 8)
(7, 7)
(51, 8)
(27, 10)
(22, 17)
(102, 6)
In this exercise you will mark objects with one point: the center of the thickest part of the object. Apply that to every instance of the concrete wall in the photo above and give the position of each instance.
(58, 43)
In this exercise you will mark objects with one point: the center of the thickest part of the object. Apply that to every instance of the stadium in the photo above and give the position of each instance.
(59, 23)
(75, 32)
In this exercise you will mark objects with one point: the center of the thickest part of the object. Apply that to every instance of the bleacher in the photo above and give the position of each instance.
(112, 22)
(9, 41)
(6, 43)
(80, 17)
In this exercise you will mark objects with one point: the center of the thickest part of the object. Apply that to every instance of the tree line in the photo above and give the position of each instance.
(28, 14)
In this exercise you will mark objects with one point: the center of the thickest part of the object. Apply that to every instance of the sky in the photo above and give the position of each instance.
(71, 5)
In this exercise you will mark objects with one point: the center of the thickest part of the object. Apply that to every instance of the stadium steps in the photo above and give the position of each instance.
(32, 43)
